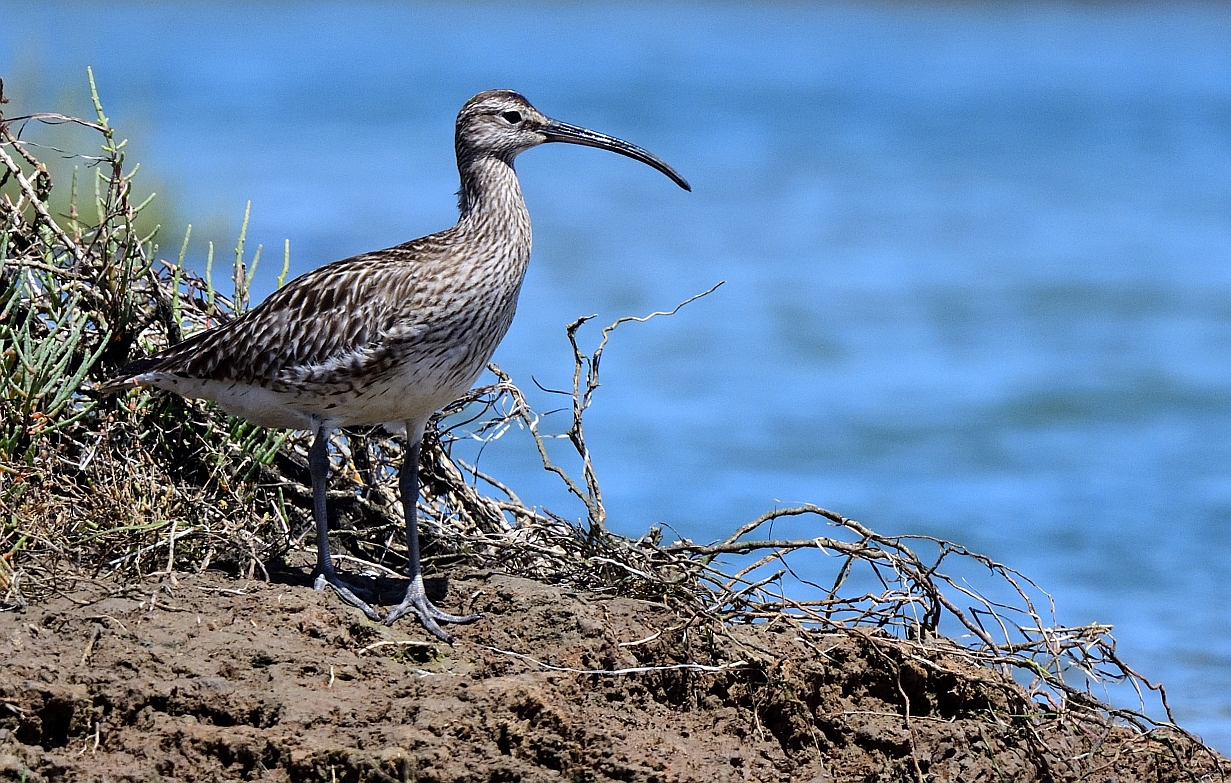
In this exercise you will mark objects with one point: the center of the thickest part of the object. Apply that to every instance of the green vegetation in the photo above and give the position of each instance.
(104, 481)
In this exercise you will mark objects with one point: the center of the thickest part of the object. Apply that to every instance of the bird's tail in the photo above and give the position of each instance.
(129, 376)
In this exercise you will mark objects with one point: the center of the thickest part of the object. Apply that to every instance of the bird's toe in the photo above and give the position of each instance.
(429, 616)
(344, 592)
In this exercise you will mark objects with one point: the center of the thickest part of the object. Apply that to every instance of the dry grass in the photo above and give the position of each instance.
(117, 489)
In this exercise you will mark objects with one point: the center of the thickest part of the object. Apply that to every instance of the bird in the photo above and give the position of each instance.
(387, 337)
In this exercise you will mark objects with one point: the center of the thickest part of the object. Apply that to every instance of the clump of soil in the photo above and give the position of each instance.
(208, 678)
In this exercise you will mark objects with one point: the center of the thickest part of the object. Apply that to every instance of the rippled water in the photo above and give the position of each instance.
(977, 258)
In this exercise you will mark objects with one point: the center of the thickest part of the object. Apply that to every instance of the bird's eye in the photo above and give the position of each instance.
(513, 117)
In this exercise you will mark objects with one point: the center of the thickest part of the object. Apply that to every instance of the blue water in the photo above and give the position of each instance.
(978, 259)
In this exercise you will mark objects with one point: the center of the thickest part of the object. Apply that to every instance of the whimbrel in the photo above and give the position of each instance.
(387, 337)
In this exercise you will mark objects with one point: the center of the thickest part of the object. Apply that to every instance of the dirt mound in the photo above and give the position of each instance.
(216, 679)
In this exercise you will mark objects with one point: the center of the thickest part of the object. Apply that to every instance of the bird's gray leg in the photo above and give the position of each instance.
(324, 573)
(416, 602)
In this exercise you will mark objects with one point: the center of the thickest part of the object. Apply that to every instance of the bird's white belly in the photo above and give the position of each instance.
(412, 392)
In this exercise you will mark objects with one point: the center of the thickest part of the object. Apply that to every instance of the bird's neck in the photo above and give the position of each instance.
(490, 198)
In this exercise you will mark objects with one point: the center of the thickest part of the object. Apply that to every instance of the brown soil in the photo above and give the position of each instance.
(216, 679)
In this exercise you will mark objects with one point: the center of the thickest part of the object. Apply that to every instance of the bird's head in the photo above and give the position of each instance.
(502, 123)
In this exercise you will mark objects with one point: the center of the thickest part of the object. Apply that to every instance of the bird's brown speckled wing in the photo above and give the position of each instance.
(325, 323)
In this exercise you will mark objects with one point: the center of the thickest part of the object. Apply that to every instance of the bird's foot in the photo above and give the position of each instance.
(416, 603)
(330, 578)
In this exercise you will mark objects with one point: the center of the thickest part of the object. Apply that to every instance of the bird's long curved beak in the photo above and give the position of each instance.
(572, 134)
